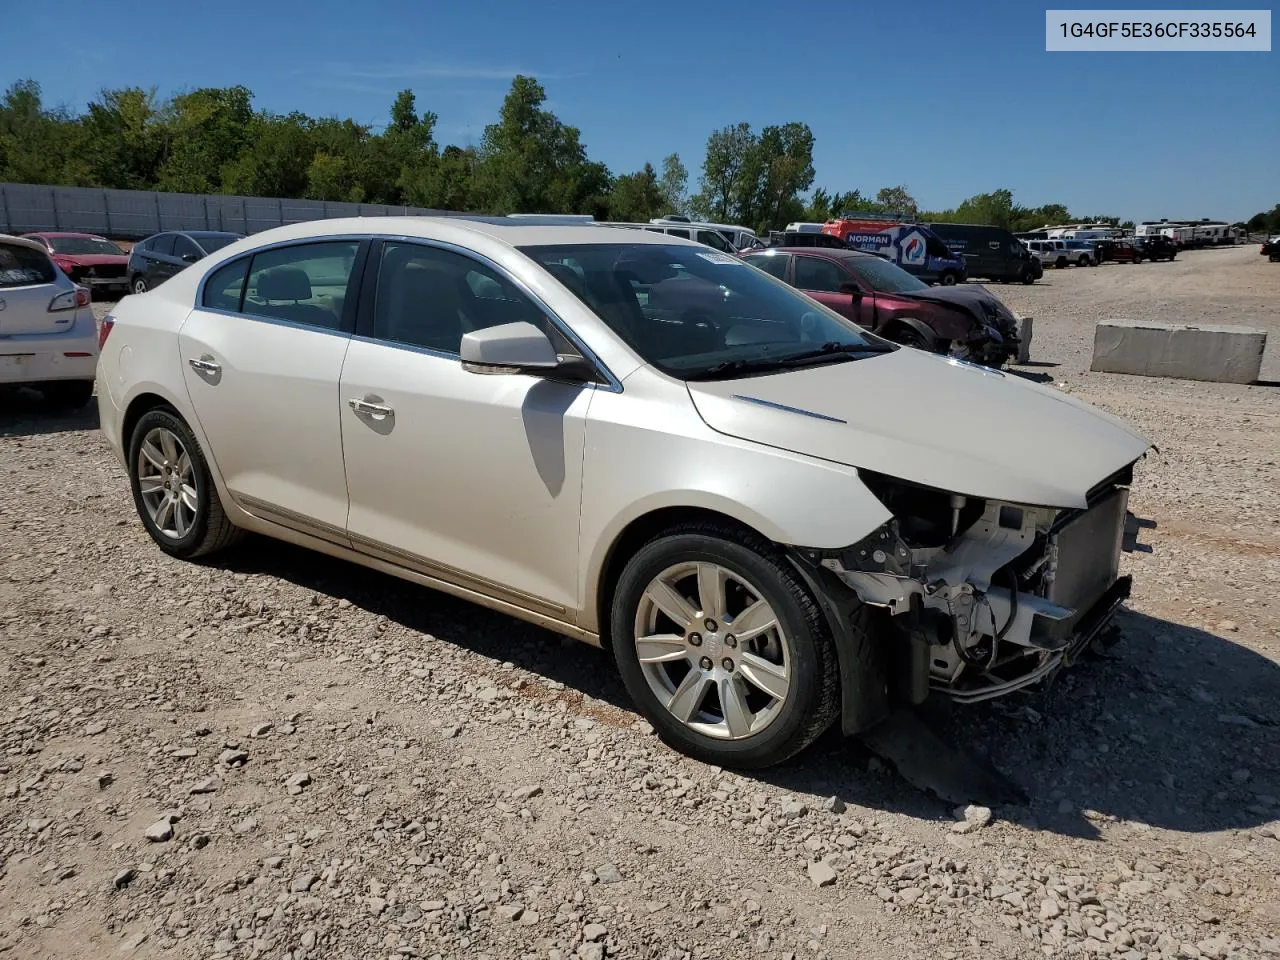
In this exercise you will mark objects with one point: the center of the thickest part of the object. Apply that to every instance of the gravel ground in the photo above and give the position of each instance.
(283, 755)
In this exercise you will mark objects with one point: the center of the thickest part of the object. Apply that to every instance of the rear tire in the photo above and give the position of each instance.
(67, 394)
(1028, 277)
(138, 284)
(716, 576)
(173, 490)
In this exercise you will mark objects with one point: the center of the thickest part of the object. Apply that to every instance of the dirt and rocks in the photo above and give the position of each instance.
(281, 755)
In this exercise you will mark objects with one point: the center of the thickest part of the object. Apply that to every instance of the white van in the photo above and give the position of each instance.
(738, 236)
(801, 227)
(702, 233)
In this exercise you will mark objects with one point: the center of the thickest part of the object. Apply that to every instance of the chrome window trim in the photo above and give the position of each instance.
(612, 383)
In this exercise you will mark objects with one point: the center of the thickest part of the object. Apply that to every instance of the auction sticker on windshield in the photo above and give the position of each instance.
(720, 258)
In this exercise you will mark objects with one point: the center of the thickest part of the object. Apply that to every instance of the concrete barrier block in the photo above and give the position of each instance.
(1024, 339)
(1222, 354)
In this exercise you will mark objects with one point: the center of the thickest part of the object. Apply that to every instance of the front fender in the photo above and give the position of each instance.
(646, 454)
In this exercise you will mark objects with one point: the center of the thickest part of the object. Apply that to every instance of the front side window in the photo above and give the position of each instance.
(714, 239)
(183, 248)
(302, 284)
(23, 266)
(163, 245)
(696, 313)
(429, 297)
(885, 277)
(821, 276)
(936, 248)
(225, 286)
(90, 246)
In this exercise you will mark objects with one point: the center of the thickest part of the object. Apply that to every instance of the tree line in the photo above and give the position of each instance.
(213, 140)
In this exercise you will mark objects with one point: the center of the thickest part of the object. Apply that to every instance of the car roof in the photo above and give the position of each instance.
(21, 241)
(209, 233)
(51, 234)
(831, 253)
(513, 232)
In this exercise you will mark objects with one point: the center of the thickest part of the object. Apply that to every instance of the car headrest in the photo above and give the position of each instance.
(284, 283)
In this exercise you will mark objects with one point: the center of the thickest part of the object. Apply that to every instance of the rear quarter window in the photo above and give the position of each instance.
(22, 266)
(224, 288)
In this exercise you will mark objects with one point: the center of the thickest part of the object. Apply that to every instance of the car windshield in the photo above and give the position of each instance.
(211, 242)
(698, 313)
(85, 245)
(885, 277)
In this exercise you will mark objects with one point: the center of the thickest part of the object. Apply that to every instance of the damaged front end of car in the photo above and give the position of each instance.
(984, 597)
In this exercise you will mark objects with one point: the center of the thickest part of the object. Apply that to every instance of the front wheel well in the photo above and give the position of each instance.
(639, 532)
(138, 407)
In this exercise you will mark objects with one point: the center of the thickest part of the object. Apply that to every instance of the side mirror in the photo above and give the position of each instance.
(852, 289)
(509, 348)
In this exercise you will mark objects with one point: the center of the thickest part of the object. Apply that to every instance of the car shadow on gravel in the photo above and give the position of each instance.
(24, 412)
(1177, 728)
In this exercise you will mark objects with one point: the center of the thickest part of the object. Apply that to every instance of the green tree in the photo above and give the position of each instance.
(125, 136)
(205, 130)
(995, 208)
(728, 153)
(38, 145)
(674, 185)
(530, 162)
(637, 197)
(896, 200)
(275, 159)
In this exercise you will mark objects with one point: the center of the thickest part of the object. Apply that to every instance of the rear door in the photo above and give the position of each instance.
(262, 354)
(28, 284)
(160, 265)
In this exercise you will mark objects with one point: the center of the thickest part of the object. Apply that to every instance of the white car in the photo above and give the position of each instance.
(772, 517)
(48, 337)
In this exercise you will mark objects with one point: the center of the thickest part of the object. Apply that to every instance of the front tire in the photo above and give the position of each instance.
(173, 490)
(948, 279)
(722, 647)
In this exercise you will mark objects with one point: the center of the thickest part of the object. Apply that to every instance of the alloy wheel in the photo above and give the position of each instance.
(712, 650)
(166, 482)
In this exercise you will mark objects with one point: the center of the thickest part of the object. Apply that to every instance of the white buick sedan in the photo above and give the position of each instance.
(770, 516)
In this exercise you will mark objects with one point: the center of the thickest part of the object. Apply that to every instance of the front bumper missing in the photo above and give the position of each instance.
(1093, 622)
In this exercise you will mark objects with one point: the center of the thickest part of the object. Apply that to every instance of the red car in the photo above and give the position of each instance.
(965, 321)
(91, 261)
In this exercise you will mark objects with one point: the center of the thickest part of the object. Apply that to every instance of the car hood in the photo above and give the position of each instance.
(92, 259)
(930, 420)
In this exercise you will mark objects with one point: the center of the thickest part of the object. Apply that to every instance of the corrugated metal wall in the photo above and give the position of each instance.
(134, 214)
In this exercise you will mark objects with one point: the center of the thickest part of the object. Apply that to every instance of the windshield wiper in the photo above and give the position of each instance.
(831, 351)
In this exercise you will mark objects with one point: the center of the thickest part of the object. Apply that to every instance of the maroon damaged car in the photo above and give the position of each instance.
(965, 321)
(91, 261)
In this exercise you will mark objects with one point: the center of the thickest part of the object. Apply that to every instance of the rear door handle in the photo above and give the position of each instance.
(371, 406)
(205, 365)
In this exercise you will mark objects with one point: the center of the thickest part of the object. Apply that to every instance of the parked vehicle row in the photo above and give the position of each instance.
(647, 412)
(164, 255)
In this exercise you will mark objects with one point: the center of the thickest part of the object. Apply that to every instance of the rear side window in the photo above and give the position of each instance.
(22, 266)
(679, 233)
(770, 263)
(822, 276)
(304, 284)
(225, 286)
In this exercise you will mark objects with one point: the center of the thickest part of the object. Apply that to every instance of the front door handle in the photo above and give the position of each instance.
(205, 364)
(371, 406)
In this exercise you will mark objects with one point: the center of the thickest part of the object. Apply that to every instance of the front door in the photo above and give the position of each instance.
(822, 279)
(262, 354)
(472, 479)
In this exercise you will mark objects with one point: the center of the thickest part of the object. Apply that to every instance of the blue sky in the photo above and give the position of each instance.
(950, 99)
